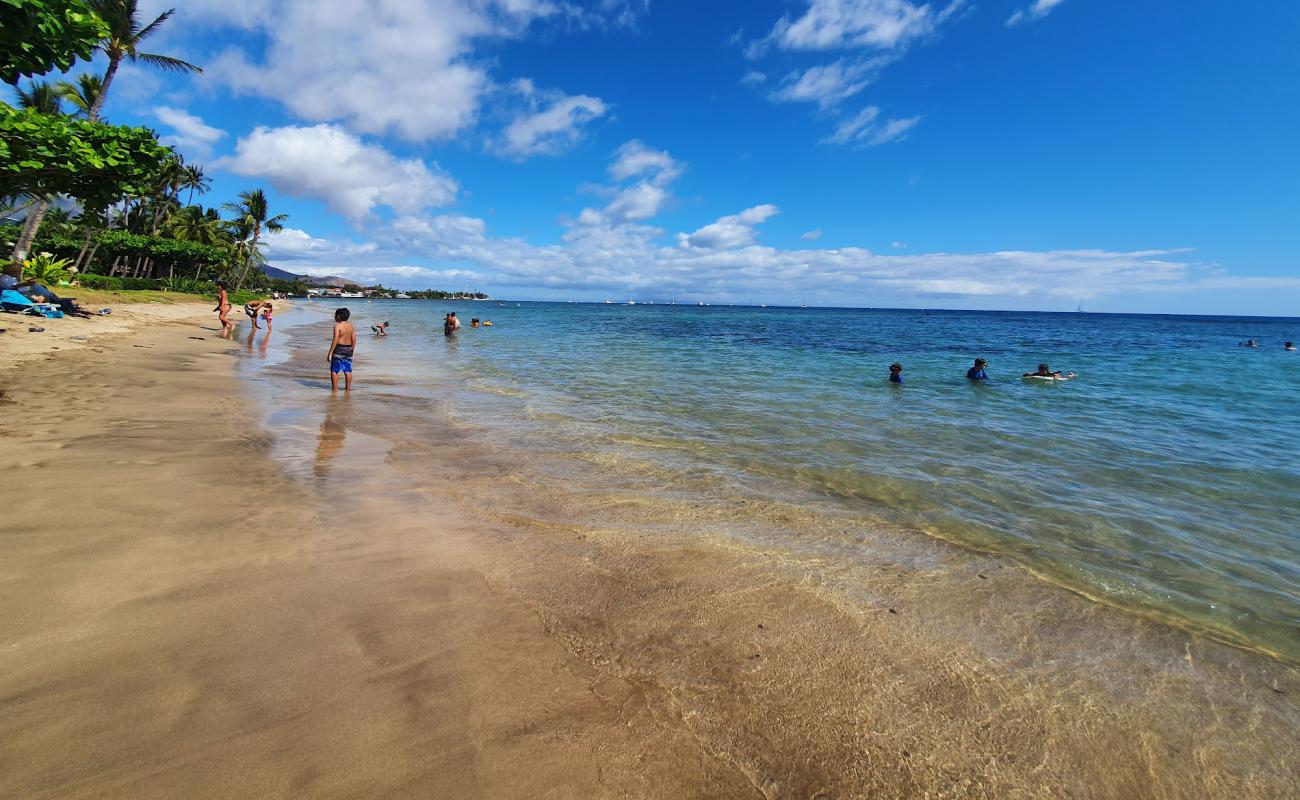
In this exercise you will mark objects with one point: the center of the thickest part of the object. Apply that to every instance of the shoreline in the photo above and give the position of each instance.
(604, 662)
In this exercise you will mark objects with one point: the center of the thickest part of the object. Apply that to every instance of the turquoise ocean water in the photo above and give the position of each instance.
(1164, 479)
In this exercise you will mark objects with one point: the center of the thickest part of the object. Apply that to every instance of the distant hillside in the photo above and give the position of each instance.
(310, 280)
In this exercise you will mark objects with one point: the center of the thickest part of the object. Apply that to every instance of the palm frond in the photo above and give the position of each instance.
(165, 62)
(152, 27)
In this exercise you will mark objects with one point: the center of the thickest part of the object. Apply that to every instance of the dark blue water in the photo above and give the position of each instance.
(1165, 478)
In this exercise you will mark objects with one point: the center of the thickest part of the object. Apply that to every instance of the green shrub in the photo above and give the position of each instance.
(137, 284)
(188, 286)
(106, 282)
(245, 296)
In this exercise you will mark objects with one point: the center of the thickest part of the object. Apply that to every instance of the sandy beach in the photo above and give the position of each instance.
(184, 616)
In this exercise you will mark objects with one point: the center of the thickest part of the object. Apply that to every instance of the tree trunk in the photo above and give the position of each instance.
(90, 257)
(22, 249)
(84, 247)
(93, 114)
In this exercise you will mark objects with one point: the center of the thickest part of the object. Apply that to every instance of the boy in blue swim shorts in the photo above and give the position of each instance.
(342, 346)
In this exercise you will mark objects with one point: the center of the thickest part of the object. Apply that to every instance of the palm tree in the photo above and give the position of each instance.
(197, 224)
(84, 93)
(192, 178)
(40, 96)
(252, 217)
(124, 38)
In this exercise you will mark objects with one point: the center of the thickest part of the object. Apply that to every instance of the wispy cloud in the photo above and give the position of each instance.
(189, 132)
(839, 24)
(552, 123)
(866, 129)
(828, 84)
(1036, 11)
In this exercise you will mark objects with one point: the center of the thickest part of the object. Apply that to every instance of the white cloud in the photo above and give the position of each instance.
(613, 250)
(897, 245)
(729, 232)
(406, 67)
(552, 125)
(656, 171)
(190, 134)
(838, 24)
(352, 177)
(1036, 11)
(867, 129)
(827, 84)
(812, 235)
(642, 200)
(753, 78)
(294, 244)
(634, 158)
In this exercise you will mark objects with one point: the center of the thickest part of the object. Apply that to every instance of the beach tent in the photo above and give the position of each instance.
(12, 301)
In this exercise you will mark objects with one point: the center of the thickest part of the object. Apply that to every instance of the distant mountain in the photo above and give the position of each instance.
(279, 274)
(310, 280)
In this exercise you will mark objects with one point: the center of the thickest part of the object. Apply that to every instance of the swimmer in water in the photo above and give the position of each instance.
(895, 373)
(1045, 371)
(1250, 343)
(976, 373)
(381, 329)
(1289, 346)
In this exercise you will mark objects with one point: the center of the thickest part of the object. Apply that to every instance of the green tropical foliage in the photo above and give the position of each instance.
(132, 222)
(40, 96)
(47, 269)
(45, 155)
(38, 36)
(83, 93)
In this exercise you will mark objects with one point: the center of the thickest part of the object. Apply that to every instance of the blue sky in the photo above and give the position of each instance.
(1031, 154)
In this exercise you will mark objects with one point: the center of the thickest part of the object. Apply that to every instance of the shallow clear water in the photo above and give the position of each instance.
(1164, 478)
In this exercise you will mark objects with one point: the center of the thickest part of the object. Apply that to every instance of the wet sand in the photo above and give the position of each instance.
(185, 615)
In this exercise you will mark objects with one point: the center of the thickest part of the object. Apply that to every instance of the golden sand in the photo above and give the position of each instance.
(183, 618)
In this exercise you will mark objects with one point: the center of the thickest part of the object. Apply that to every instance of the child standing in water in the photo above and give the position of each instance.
(895, 373)
(342, 347)
(266, 315)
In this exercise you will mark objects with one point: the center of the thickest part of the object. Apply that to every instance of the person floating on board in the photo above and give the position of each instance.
(1045, 371)
(342, 347)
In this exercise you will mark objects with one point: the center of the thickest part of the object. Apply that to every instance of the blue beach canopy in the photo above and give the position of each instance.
(13, 301)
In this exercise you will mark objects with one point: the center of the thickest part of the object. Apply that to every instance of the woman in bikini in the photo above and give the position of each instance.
(223, 308)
